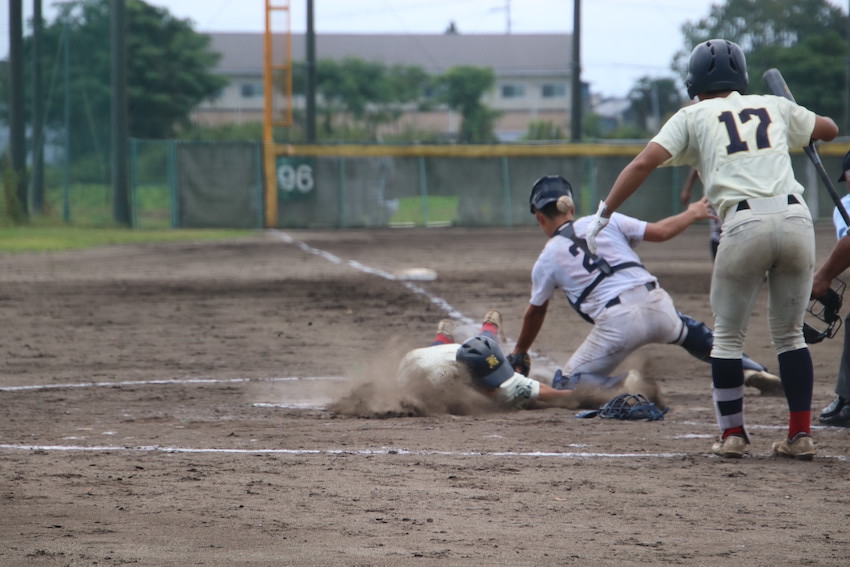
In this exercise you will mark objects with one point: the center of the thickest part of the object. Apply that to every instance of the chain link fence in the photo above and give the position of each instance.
(188, 184)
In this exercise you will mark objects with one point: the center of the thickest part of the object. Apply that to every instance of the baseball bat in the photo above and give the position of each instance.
(776, 85)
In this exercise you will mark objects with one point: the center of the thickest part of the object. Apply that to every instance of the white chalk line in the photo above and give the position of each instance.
(333, 259)
(165, 382)
(312, 406)
(436, 300)
(362, 452)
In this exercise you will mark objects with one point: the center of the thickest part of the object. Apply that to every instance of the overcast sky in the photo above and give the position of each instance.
(622, 40)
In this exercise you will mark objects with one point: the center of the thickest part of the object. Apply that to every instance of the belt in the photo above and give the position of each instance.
(792, 200)
(616, 301)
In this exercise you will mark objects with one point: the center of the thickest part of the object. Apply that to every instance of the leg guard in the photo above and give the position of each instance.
(697, 338)
(571, 382)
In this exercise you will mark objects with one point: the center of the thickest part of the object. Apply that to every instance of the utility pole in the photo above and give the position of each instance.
(310, 127)
(575, 110)
(122, 212)
(17, 128)
(37, 111)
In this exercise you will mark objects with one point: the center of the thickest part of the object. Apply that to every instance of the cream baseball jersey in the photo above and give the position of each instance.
(739, 145)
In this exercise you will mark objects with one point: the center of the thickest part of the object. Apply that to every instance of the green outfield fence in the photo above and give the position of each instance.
(182, 184)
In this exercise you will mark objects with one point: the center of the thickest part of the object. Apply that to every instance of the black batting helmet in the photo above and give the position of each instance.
(486, 362)
(717, 65)
(548, 189)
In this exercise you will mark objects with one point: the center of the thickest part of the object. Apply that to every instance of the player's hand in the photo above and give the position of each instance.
(703, 210)
(820, 287)
(597, 223)
(520, 362)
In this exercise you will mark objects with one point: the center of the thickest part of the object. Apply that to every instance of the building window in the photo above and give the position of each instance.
(513, 91)
(250, 90)
(554, 90)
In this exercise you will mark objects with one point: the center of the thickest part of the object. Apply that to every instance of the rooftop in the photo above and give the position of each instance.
(504, 53)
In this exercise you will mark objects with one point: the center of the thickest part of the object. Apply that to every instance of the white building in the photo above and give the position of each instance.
(533, 79)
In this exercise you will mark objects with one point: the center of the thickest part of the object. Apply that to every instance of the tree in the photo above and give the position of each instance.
(368, 93)
(653, 101)
(463, 88)
(805, 39)
(169, 71)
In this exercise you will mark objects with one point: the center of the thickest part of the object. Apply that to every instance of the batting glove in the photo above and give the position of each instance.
(597, 223)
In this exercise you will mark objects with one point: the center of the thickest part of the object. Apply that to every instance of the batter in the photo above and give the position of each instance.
(739, 144)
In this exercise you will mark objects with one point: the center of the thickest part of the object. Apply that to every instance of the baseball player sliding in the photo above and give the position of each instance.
(739, 144)
(479, 363)
(609, 288)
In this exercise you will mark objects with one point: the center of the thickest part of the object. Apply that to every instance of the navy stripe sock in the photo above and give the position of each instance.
(797, 375)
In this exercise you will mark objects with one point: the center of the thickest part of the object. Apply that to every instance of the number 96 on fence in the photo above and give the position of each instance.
(295, 178)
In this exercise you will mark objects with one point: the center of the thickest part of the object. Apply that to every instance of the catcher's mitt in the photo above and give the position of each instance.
(825, 309)
(631, 406)
(520, 360)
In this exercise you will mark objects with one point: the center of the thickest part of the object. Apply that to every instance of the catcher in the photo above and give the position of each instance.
(479, 364)
(612, 290)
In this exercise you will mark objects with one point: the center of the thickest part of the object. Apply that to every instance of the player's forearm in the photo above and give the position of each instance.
(549, 394)
(626, 184)
(532, 322)
(835, 264)
(634, 174)
(665, 229)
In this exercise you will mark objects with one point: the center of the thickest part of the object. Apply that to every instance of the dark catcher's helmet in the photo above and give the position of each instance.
(717, 65)
(548, 190)
(486, 362)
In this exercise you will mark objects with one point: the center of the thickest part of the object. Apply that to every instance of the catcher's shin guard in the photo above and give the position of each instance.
(696, 338)
(572, 381)
(699, 338)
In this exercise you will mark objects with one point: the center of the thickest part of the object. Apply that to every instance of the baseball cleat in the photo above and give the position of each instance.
(802, 447)
(494, 318)
(446, 327)
(837, 413)
(768, 384)
(733, 447)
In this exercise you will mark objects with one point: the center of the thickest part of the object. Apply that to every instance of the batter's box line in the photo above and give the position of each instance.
(365, 452)
(168, 382)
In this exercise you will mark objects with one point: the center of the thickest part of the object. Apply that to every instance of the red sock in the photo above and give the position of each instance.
(799, 422)
(442, 339)
(733, 431)
(491, 328)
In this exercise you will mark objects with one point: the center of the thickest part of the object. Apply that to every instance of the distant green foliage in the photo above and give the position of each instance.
(11, 211)
(247, 131)
(544, 130)
(363, 95)
(462, 88)
(169, 71)
(411, 210)
(805, 39)
(56, 238)
(653, 101)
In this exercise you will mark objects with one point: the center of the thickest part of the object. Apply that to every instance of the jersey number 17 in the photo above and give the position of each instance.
(736, 144)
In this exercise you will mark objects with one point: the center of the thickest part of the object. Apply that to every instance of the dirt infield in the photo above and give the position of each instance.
(168, 405)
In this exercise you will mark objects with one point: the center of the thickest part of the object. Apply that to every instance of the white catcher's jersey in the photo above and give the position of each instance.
(562, 266)
(739, 145)
(437, 365)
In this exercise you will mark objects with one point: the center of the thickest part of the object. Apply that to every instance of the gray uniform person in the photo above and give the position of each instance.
(838, 412)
